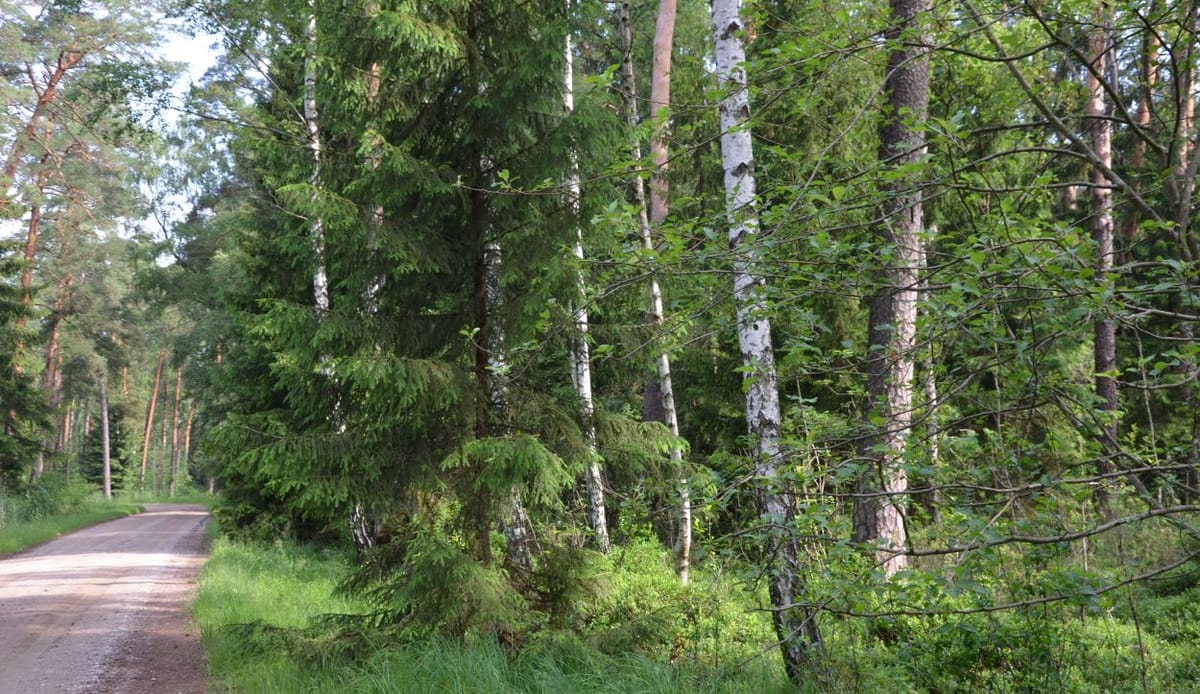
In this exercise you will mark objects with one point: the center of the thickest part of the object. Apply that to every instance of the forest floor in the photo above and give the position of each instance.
(104, 610)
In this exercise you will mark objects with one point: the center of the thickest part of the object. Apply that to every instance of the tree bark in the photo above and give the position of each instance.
(879, 510)
(312, 128)
(187, 435)
(660, 105)
(513, 518)
(1100, 135)
(580, 353)
(175, 433)
(795, 622)
(105, 454)
(46, 94)
(148, 429)
(661, 398)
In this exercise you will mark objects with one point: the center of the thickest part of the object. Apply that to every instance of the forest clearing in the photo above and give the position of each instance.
(685, 345)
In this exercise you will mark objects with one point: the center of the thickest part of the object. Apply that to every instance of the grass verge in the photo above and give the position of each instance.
(18, 536)
(254, 603)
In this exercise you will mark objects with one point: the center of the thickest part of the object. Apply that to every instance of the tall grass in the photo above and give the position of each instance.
(51, 508)
(252, 600)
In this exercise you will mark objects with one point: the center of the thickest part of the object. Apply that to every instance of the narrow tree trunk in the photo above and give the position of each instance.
(1184, 165)
(1100, 136)
(795, 622)
(514, 519)
(660, 105)
(664, 394)
(175, 433)
(312, 128)
(64, 431)
(46, 94)
(187, 435)
(580, 353)
(879, 511)
(1148, 80)
(105, 454)
(148, 428)
(31, 240)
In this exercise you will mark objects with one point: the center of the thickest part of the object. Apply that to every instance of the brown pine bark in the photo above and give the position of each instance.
(46, 94)
(105, 453)
(148, 428)
(187, 434)
(883, 486)
(175, 433)
(1099, 129)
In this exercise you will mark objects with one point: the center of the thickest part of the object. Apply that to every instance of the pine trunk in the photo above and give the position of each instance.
(795, 622)
(148, 429)
(105, 454)
(175, 433)
(187, 435)
(1100, 136)
(879, 510)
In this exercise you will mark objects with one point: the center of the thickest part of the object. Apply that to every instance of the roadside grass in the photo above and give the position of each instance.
(185, 496)
(15, 537)
(52, 507)
(257, 605)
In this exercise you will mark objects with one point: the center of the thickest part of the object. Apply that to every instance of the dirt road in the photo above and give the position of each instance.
(103, 610)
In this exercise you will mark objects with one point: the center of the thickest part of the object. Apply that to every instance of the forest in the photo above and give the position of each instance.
(817, 346)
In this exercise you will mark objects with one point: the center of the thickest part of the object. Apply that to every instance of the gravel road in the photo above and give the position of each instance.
(104, 610)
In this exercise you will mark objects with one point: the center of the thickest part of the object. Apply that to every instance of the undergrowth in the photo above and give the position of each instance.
(266, 613)
(51, 508)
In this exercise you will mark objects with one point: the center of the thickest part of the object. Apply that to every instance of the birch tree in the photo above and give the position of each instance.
(646, 219)
(1099, 133)
(580, 351)
(795, 621)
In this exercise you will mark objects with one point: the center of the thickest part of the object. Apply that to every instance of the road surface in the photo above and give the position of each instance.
(104, 610)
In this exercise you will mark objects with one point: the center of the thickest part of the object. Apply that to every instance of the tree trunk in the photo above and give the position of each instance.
(660, 105)
(148, 429)
(795, 622)
(31, 240)
(661, 398)
(175, 433)
(1148, 80)
(312, 129)
(1100, 136)
(105, 453)
(187, 435)
(879, 511)
(580, 353)
(513, 518)
(46, 94)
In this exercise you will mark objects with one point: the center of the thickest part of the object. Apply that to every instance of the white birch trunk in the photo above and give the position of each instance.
(514, 519)
(795, 626)
(312, 128)
(581, 360)
(683, 545)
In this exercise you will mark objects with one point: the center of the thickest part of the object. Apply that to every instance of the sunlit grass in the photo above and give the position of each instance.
(18, 536)
(249, 597)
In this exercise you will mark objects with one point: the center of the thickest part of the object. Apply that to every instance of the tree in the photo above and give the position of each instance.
(879, 515)
(580, 351)
(795, 622)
